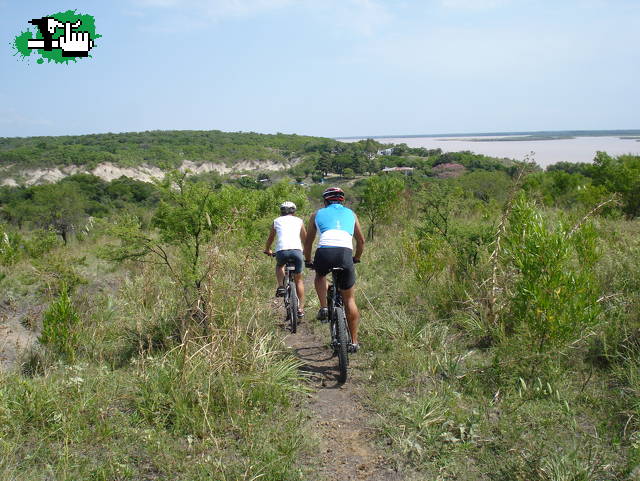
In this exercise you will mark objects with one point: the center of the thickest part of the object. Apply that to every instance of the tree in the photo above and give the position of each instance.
(400, 149)
(371, 148)
(486, 185)
(186, 219)
(341, 162)
(359, 162)
(622, 176)
(373, 165)
(324, 163)
(377, 200)
(59, 206)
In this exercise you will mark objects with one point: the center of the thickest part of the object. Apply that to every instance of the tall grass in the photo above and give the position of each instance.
(457, 399)
(124, 395)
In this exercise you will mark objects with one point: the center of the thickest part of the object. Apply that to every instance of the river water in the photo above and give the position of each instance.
(543, 152)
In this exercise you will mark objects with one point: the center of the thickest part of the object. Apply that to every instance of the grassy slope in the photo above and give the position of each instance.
(445, 405)
(139, 405)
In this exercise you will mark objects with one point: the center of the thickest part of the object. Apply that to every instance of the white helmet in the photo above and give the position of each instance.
(287, 208)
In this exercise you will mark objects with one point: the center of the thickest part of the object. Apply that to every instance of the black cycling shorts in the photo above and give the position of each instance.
(327, 258)
(291, 255)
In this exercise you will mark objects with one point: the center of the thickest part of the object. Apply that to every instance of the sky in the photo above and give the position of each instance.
(330, 67)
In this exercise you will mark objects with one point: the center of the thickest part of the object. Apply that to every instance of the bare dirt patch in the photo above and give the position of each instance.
(347, 449)
(15, 338)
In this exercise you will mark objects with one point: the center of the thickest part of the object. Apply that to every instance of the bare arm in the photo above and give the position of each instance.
(303, 234)
(357, 233)
(310, 237)
(272, 236)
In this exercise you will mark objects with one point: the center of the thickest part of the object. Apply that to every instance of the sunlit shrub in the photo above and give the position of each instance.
(60, 326)
(551, 291)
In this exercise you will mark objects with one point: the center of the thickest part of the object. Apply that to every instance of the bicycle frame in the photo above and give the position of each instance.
(290, 296)
(334, 298)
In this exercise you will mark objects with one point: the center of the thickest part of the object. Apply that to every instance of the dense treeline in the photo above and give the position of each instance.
(67, 204)
(164, 149)
(64, 205)
(364, 157)
(565, 184)
(314, 157)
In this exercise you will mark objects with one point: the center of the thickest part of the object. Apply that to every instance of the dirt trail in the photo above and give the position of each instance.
(14, 337)
(341, 423)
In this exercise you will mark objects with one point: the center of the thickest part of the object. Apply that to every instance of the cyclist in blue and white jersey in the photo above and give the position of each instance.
(337, 225)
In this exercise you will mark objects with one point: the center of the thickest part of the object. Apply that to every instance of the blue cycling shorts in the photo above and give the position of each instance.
(291, 255)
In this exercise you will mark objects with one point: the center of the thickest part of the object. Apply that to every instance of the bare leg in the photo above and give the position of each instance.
(321, 288)
(280, 275)
(353, 315)
(300, 290)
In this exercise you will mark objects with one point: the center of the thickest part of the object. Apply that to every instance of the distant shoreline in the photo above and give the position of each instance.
(545, 148)
(538, 134)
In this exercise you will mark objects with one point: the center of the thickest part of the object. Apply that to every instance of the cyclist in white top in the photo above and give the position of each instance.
(290, 235)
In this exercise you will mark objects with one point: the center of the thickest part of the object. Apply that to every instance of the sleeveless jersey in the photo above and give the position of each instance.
(288, 232)
(336, 224)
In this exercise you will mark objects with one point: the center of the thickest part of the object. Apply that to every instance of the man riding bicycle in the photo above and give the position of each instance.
(290, 234)
(337, 225)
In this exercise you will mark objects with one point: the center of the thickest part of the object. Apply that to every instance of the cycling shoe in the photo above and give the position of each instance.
(323, 314)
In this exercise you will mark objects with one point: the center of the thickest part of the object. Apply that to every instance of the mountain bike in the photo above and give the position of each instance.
(290, 297)
(340, 335)
(338, 328)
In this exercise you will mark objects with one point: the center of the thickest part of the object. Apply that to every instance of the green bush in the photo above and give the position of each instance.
(379, 196)
(60, 327)
(58, 270)
(11, 247)
(41, 242)
(15, 246)
(448, 223)
(551, 295)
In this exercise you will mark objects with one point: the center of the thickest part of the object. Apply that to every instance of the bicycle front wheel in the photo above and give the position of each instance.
(342, 341)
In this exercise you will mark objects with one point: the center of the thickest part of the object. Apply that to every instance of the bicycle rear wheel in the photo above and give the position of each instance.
(293, 307)
(342, 341)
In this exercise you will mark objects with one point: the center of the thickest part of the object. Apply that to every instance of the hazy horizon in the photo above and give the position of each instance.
(574, 132)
